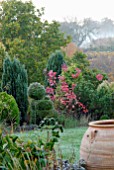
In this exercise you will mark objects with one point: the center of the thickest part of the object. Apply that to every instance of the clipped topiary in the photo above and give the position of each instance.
(9, 112)
(44, 105)
(41, 109)
(36, 91)
(40, 104)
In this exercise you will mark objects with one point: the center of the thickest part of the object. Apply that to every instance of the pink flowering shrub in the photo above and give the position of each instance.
(66, 96)
(76, 91)
(64, 93)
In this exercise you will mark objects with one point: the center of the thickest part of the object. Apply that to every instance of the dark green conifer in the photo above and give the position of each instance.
(15, 83)
(54, 63)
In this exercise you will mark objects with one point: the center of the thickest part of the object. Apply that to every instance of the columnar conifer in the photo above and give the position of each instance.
(15, 83)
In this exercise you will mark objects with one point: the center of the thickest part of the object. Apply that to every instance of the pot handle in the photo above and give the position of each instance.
(92, 135)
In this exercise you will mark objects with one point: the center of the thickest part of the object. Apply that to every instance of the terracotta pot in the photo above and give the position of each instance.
(97, 146)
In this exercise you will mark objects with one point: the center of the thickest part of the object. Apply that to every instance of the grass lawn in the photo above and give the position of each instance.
(69, 143)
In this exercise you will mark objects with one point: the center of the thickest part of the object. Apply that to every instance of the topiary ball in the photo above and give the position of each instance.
(9, 111)
(44, 105)
(36, 91)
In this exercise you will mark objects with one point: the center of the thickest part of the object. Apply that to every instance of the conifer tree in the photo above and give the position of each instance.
(54, 63)
(15, 83)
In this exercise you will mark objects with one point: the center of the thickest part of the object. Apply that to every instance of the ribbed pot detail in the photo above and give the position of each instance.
(97, 146)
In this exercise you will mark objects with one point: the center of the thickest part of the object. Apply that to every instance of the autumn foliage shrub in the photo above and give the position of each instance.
(64, 96)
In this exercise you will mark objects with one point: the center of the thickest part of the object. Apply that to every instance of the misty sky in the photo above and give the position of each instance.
(60, 9)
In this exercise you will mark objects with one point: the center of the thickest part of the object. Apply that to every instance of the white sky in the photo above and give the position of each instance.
(60, 9)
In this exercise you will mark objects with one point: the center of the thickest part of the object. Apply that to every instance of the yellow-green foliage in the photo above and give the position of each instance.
(9, 112)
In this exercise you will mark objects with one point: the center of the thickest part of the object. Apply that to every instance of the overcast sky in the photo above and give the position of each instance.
(60, 9)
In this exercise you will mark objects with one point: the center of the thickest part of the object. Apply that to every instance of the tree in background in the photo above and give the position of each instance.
(28, 38)
(106, 28)
(80, 32)
(15, 83)
(88, 33)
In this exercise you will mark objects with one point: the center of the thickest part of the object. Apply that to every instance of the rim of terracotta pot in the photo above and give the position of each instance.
(102, 123)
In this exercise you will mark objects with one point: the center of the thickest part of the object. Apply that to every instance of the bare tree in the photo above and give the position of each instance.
(80, 31)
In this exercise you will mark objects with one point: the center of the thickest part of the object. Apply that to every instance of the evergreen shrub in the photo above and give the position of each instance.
(44, 105)
(9, 112)
(36, 91)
